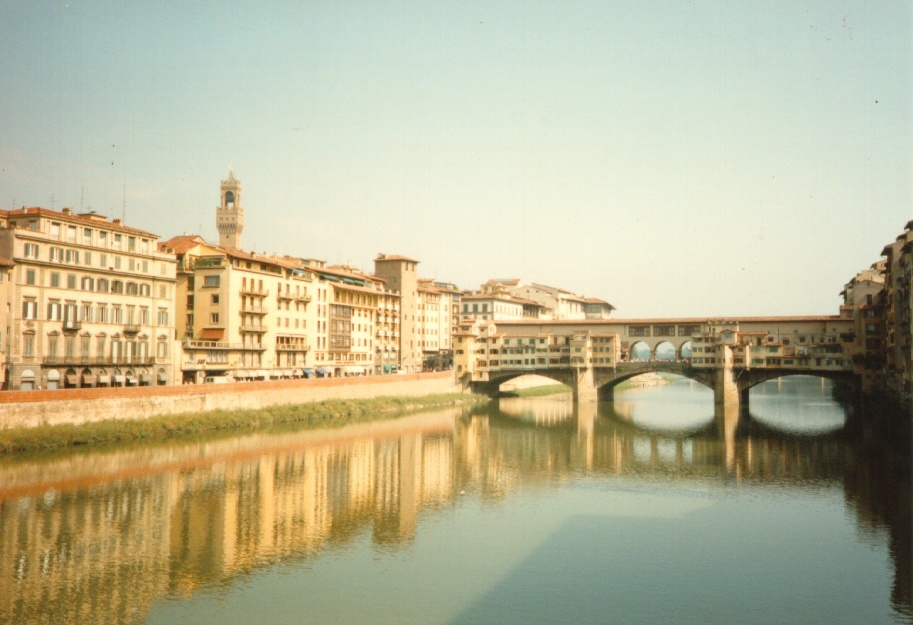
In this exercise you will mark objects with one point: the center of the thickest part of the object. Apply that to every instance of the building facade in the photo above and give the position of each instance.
(90, 302)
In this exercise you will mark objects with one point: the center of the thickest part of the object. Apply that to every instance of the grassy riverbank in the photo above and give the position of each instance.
(332, 413)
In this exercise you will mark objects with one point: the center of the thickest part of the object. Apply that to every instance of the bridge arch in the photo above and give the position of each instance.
(751, 378)
(665, 351)
(491, 387)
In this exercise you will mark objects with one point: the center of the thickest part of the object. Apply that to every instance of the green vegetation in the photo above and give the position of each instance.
(538, 391)
(332, 413)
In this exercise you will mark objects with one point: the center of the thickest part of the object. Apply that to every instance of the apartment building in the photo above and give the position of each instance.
(898, 272)
(864, 302)
(90, 302)
(547, 302)
(239, 314)
(400, 274)
(357, 322)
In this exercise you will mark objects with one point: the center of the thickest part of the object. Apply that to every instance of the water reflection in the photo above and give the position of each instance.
(100, 537)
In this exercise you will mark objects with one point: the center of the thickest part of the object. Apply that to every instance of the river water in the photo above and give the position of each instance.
(650, 509)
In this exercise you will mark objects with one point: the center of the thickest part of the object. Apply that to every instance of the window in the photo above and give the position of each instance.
(28, 345)
(145, 290)
(162, 349)
(88, 284)
(103, 260)
(29, 308)
(117, 240)
(162, 317)
(88, 258)
(214, 318)
(102, 312)
(117, 262)
(71, 234)
(117, 287)
(100, 346)
(31, 276)
(214, 298)
(71, 281)
(131, 244)
(86, 313)
(87, 236)
(210, 281)
(31, 250)
(132, 288)
(52, 345)
(102, 285)
(131, 264)
(54, 230)
(56, 254)
(55, 310)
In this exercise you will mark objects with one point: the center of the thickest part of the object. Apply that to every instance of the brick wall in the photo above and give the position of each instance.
(33, 408)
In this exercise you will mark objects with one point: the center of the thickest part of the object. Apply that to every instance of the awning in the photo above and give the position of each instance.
(104, 379)
(321, 371)
(28, 374)
(73, 379)
(260, 373)
(163, 377)
(88, 380)
(144, 377)
(287, 373)
(212, 334)
(297, 373)
(274, 373)
(120, 379)
(132, 381)
(388, 367)
(53, 374)
(309, 373)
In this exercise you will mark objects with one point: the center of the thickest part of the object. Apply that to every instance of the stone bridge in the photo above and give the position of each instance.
(727, 356)
(600, 383)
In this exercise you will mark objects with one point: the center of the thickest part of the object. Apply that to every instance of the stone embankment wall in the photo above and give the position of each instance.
(24, 409)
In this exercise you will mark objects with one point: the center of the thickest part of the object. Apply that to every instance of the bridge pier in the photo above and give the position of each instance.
(725, 387)
(584, 387)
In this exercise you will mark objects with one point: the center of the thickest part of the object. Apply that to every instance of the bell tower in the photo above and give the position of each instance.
(229, 214)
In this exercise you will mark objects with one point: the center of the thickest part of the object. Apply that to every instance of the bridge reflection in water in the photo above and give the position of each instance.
(100, 536)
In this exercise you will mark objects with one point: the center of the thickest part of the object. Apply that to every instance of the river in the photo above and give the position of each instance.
(649, 509)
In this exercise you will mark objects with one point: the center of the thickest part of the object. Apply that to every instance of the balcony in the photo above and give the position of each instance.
(293, 348)
(72, 325)
(253, 310)
(302, 298)
(132, 328)
(255, 291)
(98, 361)
(253, 328)
(220, 346)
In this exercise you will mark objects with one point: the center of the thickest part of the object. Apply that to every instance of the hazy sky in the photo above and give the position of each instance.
(673, 158)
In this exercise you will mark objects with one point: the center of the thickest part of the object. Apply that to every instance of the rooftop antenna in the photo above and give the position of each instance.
(52, 201)
(123, 206)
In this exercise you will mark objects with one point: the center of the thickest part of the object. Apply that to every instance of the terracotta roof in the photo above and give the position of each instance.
(6, 263)
(385, 257)
(85, 218)
(181, 243)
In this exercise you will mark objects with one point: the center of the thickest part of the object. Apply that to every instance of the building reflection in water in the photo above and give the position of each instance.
(98, 537)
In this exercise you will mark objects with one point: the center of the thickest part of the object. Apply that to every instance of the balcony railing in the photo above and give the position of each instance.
(293, 348)
(252, 290)
(131, 328)
(98, 361)
(220, 346)
(253, 310)
(253, 328)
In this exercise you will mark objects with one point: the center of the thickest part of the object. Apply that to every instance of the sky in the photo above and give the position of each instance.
(674, 158)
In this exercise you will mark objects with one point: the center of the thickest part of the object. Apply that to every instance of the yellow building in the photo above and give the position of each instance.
(91, 302)
(241, 315)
